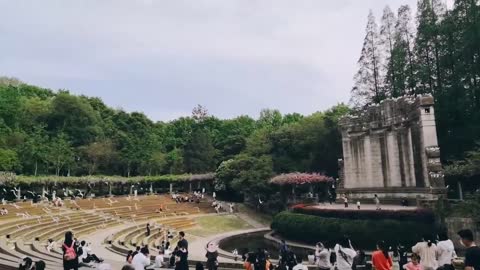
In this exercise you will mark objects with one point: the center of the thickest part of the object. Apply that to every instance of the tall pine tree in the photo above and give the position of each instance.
(402, 55)
(428, 73)
(368, 88)
(387, 39)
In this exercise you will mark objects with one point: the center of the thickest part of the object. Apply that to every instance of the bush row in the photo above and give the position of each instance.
(363, 233)
(419, 215)
(83, 180)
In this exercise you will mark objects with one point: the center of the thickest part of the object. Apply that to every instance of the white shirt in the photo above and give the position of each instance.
(323, 258)
(343, 264)
(445, 252)
(86, 250)
(140, 261)
(159, 261)
(427, 254)
(300, 267)
(311, 259)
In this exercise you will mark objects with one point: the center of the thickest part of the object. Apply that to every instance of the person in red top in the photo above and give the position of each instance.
(380, 258)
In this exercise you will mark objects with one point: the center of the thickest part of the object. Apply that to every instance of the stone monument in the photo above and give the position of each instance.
(391, 149)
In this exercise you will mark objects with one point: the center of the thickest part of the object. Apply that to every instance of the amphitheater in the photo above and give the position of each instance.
(113, 226)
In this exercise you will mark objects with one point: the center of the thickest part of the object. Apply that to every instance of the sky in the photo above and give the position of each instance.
(163, 57)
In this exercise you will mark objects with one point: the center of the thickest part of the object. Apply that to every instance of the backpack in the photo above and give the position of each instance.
(70, 253)
(333, 258)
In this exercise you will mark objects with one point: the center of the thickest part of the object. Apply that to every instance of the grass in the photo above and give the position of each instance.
(211, 225)
(261, 218)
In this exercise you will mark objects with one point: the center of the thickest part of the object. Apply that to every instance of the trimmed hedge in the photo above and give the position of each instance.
(363, 233)
(10, 180)
(418, 215)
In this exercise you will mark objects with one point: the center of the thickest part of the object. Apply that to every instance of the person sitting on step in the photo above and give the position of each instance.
(85, 254)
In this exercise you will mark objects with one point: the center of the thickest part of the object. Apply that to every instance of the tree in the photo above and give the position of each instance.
(10, 105)
(270, 119)
(175, 161)
(199, 153)
(246, 175)
(10, 81)
(35, 148)
(199, 113)
(386, 42)
(155, 164)
(232, 136)
(367, 87)
(402, 59)
(428, 74)
(8, 160)
(96, 153)
(75, 117)
(60, 152)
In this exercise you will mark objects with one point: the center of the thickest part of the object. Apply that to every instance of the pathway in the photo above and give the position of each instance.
(249, 220)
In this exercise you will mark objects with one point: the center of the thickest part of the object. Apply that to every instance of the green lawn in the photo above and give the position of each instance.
(211, 225)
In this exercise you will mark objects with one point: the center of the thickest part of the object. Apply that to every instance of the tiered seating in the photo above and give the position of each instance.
(27, 227)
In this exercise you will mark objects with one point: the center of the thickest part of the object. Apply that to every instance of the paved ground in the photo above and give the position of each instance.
(197, 248)
(353, 206)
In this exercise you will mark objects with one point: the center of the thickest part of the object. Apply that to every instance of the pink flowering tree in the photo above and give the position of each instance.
(299, 179)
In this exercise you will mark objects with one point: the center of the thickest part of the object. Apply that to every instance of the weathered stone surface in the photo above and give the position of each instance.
(391, 149)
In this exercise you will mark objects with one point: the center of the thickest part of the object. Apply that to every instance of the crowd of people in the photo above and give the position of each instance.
(140, 259)
(427, 254)
(195, 197)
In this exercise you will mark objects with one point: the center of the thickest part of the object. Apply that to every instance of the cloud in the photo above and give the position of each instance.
(164, 57)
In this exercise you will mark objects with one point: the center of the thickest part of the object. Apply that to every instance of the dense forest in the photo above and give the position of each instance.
(44, 132)
(436, 53)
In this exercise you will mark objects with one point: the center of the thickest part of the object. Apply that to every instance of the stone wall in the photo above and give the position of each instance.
(391, 149)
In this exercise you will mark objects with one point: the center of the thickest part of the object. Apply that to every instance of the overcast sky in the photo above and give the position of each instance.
(162, 57)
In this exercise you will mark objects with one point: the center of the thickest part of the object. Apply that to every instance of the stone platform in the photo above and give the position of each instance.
(364, 207)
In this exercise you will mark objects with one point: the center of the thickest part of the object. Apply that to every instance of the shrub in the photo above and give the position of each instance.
(418, 215)
(363, 233)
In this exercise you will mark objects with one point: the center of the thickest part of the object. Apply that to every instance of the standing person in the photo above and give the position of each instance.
(137, 250)
(129, 257)
(381, 260)
(359, 260)
(284, 249)
(345, 200)
(344, 254)
(141, 260)
(427, 252)
(261, 259)
(322, 257)
(182, 240)
(212, 255)
(472, 255)
(358, 205)
(445, 250)
(148, 229)
(214, 195)
(377, 202)
(181, 257)
(70, 249)
(403, 255)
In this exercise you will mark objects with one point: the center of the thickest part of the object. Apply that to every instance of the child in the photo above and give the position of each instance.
(414, 264)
